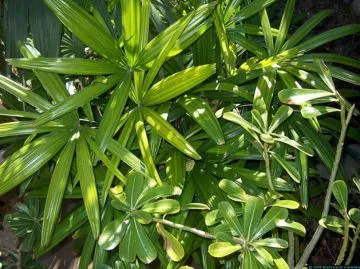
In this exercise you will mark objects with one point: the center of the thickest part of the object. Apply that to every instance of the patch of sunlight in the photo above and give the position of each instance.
(164, 115)
(198, 112)
(267, 81)
(211, 199)
(70, 87)
(75, 136)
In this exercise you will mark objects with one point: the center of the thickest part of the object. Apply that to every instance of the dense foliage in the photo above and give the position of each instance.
(187, 132)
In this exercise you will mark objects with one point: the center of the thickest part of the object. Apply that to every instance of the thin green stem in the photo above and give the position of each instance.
(353, 246)
(341, 256)
(198, 232)
(267, 166)
(311, 245)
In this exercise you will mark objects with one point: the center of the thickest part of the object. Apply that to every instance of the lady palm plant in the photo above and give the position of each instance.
(160, 132)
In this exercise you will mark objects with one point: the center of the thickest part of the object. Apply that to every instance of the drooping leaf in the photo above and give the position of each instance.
(85, 27)
(172, 246)
(24, 162)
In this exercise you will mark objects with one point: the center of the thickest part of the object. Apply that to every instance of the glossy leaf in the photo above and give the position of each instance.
(354, 214)
(272, 242)
(201, 112)
(301, 96)
(88, 185)
(71, 66)
(294, 227)
(85, 27)
(169, 133)
(56, 191)
(340, 192)
(144, 247)
(112, 234)
(172, 246)
(165, 206)
(177, 84)
(254, 208)
(228, 213)
(280, 116)
(270, 220)
(289, 167)
(25, 162)
(222, 249)
(316, 111)
(79, 99)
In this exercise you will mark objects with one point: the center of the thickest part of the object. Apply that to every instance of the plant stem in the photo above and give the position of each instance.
(290, 257)
(198, 232)
(353, 246)
(311, 245)
(267, 166)
(345, 242)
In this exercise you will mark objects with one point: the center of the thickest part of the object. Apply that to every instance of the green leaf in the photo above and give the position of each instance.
(251, 9)
(354, 214)
(18, 113)
(154, 193)
(289, 167)
(88, 185)
(264, 93)
(294, 227)
(284, 25)
(326, 37)
(325, 74)
(249, 261)
(131, 22)
(102, 156)
(195, 206)
(340, 192)
(52, 83)
(78, 99)
(228, 213)
(202, 113)
(85, 27)
(233, 190)
(145, 249)
(127, 249)
(176, 168)
(289, 204)
(169, 133)
(284, 139)
(332, 223)
(236, 118)
(301, 96)
(272, 243)
(177, 84)
(29, 159)
(254, 208)
(70, 66)
(87, 251)
(134, 188)
(113, 112)
(318, 143)
(165, 206)
(24, 94)
(222, 249)
(112, 234)
(159, 61)
(56, 191)
(316, 111)
(270, 220)
(67, 226)
(127, 157)
(265, 23)
(280, 116)
(306, 28)
(225, 87)
(198, 25)
(259, 120)
(172, 246)
(249, 45)
(145, 148)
